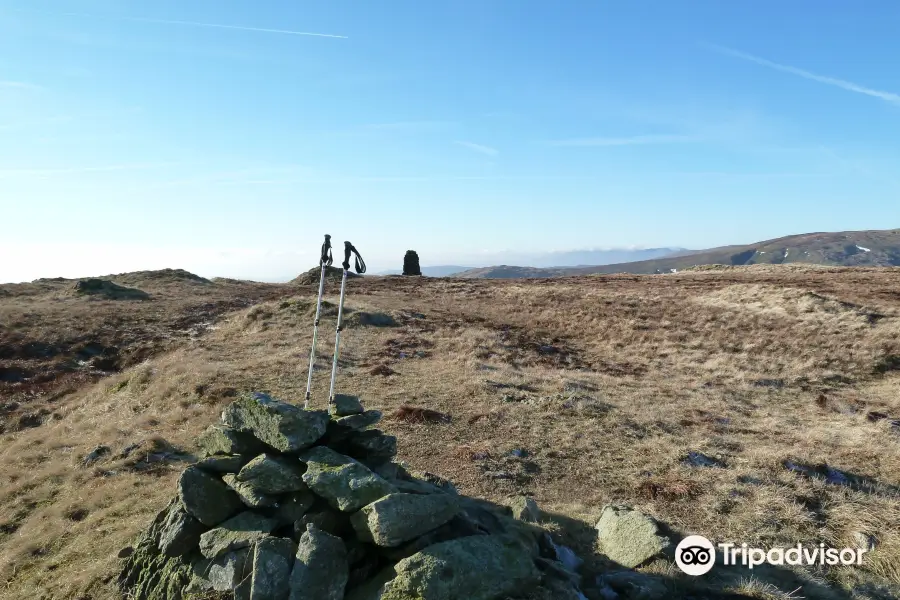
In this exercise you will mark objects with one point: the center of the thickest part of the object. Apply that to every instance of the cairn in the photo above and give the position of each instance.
(411, 263)
(295, 504)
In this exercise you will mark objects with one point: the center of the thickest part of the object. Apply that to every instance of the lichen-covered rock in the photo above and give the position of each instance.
(474, 568)
(344, 405)
(525, 509)
(273, 475)
(293, 507)
(273, 559)
(206, 497)
(247, 493)
(398, 518)
(324, 519)
(346, 484)
(320, 570)
(283, 426)
(229, 571)
(236, 533)
(629, 537)
(147, 574)
(180, 532)
(371, 446)
(458, 527)
(222, 440)
(222, 464)
(357, 422)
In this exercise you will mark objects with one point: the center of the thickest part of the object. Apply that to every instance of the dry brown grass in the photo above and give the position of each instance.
(605, 383)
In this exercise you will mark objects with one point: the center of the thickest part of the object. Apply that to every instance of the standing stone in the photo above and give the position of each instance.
(273, 559)
(283, 426)
(236, 533)
(180, 532)
(320, 569)
(475, 568)
(411, 263)
(344, 405)
(346, 484)
(219, 439)
(248, 494)
(628, 536)
(273, 475)
(398, 518)
(206, 497)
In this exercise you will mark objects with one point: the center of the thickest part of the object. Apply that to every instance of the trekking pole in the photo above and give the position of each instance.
(325, 261)
(360, 268)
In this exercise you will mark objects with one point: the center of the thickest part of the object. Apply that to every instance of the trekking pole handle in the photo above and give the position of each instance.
(326, 258)
(348, 249)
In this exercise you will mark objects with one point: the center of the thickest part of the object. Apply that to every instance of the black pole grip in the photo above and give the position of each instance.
(348, 249)
(326, 258)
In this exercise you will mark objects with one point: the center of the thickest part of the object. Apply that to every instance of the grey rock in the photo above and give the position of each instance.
(320, 570)
(474, 568)
(293, 507)
(629, 537)
(95, 455)
(632, 585)
(273, 475)
(180, 532)
(457, 527)
(526, 509)
(283, 426)
(206, 497)
(371, 446)
(344, 405)
(222, 440)
(358, 422)
(398, 518)
(346, 484)
(236, 533)
(228, 571)
(248, 494)
(222, 464)
(373, 589)
(698, 459)
(273, 559)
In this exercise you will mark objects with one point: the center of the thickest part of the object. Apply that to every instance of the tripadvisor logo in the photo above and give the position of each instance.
(696, 555)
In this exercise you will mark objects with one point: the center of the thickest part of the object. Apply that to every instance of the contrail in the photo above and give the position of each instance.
(847, 85)
(196, 24)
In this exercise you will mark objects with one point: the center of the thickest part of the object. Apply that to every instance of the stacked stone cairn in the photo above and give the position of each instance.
(295, 504)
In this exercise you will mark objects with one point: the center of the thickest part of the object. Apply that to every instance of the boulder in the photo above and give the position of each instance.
(180, 532)
(222, 464)
(222, 440)
(273, 559)
(371, 446)
(358, 422)
(283, 426)
(230, 572)
(525, 509)
(629, 537)
(247, 493)
(206, 497)
(398, 518)
(320, 570)
(474, 568)
(273, 475)
(346, 484)
(293, 507)
(236, 533)
(344, 405)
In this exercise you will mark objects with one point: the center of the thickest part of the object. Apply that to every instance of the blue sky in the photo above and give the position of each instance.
(218, 136)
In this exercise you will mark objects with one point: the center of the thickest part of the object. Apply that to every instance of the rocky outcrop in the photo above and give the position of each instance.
(321, 512)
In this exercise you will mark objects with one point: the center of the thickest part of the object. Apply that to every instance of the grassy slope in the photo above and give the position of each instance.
(607, 383)
(834, 249)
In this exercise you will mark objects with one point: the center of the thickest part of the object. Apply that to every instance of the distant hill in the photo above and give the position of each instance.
(845, 248)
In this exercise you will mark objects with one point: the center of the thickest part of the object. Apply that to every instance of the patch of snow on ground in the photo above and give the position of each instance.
(863, 249)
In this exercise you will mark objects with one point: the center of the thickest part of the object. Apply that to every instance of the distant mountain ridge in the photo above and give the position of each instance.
(845, 248)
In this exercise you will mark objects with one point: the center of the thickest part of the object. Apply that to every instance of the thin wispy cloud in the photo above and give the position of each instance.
(200, 24)
(832, 81)
(481, 149)
(634, 140)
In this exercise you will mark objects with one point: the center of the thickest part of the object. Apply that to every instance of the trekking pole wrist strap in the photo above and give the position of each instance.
(360, 264)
